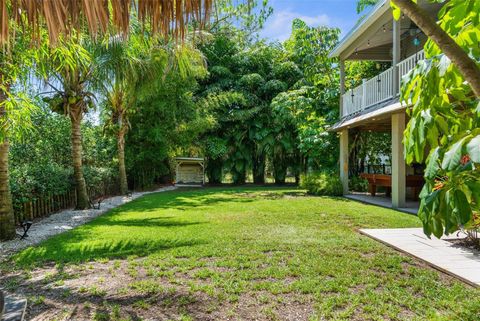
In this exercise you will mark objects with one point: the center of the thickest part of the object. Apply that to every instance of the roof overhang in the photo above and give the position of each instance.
(190, 159)
(366, 118)
(375, 14)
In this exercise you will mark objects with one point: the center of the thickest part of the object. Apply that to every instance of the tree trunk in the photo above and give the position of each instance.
(214, 171)
(467, 67)
(76, 114)
(259, 169)
(7, 219)
(279, 169)
(121, 162)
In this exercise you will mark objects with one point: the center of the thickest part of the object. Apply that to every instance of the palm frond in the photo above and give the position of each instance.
(165, 17)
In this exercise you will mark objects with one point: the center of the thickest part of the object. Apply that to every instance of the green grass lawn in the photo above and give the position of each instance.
(235, 254)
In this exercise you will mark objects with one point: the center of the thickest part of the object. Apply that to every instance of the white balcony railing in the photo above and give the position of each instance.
(377, 89)
(408, 64)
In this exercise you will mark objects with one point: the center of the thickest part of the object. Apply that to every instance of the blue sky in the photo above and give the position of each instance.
(334, 13)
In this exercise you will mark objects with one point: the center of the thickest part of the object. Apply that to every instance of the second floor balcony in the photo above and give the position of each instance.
(378, 89)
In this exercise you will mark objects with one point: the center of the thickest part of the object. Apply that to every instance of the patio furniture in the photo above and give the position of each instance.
(26, 227)
(96, 205)
(413, 181)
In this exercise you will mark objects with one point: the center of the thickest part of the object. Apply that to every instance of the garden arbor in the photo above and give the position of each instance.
(59, 17)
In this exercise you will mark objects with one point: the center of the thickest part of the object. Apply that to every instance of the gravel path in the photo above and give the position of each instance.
(66, 220)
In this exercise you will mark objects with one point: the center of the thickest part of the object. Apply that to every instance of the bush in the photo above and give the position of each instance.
(322, 183)
(358, 184)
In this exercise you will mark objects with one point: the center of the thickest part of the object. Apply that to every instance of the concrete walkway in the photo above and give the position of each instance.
(459, 262)
(383, 201)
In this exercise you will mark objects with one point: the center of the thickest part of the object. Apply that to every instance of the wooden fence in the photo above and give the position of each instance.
(43, 206)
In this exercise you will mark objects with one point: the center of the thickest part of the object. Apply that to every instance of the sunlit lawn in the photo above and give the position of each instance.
(235, 254)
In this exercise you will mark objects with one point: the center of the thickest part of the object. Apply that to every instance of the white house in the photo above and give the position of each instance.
(375, 105)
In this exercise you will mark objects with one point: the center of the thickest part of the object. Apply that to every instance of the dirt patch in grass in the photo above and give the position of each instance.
(133, 290)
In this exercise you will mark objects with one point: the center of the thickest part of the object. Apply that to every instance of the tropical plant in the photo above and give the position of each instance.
(166, 121)
(322, 183)
(69, 70)
(364, 4)
(445, 116)
(122, 63)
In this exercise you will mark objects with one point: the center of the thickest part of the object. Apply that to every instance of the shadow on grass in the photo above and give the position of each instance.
(116, 235)
(144, 222)
(68, 250)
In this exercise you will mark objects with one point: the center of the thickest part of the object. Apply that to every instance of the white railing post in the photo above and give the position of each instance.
(396, 55)
(342, 87)
(364, 93)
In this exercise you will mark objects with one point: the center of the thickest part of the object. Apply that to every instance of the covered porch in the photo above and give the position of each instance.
(396, 185)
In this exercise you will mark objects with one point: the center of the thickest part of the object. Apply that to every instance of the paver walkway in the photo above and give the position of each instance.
(443, 255)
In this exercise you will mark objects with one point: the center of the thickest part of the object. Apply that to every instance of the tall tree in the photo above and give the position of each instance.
(122, 64)
(68, 69)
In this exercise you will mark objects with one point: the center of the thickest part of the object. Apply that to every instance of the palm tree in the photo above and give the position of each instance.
(165, 17)
(122, 65)
(68, 69)
(130, 67)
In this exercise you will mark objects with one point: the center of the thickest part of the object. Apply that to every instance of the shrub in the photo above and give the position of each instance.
(322, 183)
(358, 184)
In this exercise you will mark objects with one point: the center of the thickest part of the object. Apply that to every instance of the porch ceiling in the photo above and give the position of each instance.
(371, 39)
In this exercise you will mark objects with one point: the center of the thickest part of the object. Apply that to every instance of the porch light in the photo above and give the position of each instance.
(416, 43)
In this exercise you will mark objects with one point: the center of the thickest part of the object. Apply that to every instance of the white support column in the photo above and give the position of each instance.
(396, 56)
(342, 85)
(398, 161)
(344, 160)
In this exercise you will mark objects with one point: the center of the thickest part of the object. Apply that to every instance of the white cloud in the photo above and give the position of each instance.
(279, 25)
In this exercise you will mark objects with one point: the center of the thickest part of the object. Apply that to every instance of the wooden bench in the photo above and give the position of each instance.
(413, 181)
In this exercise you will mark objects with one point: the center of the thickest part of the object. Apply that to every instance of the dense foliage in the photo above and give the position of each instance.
(272, 104)
(445, 125)
(41, 162)
(322, 184)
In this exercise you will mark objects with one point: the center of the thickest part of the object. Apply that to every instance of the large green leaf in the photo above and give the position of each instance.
(473, 149)
(453, 155)
(463, 211)
(433, 165)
